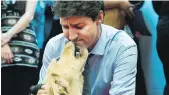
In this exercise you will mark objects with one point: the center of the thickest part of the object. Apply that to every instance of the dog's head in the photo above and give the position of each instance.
(74, 51)
(69, 66)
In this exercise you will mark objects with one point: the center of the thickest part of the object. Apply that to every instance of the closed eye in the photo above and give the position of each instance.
(65, 27)
(79, 27)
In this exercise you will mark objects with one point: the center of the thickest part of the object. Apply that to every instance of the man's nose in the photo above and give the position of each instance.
(73, 35)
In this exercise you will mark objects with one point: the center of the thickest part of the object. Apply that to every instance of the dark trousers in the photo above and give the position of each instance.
(163, 47)
(140, 79)
(17, 80)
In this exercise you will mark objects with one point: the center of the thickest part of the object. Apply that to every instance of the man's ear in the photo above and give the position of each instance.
(100, 17)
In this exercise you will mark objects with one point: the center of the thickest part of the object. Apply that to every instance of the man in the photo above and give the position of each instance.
(114, 54)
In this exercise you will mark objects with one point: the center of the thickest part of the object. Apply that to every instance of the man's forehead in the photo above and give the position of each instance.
(74, 20)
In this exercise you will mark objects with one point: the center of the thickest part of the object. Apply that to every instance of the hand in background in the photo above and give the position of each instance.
(127, 7)
(6, 54)
(124, 5)
(5, 38)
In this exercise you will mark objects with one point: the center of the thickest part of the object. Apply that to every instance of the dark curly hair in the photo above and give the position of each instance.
(78, 8)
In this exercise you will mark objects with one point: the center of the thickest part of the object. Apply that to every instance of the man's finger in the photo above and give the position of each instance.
(131, 11)
(42, 91)
(2, 55)
(6, 57)
(46, 87)
(129, 14)
(2, 42)
(10, 57)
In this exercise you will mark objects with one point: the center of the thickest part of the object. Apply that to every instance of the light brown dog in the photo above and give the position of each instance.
(64, 75)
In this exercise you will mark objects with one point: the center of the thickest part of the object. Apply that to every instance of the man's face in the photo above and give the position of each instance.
(82, 30)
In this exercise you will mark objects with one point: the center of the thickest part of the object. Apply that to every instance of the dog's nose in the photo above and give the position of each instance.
(58, 58)
(77, 52)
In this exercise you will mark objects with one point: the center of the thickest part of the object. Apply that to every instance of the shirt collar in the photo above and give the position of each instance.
(101, 44)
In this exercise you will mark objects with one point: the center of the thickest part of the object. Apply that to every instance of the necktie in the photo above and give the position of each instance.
(86, 74)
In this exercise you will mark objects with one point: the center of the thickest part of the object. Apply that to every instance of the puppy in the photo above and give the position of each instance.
(64, 74)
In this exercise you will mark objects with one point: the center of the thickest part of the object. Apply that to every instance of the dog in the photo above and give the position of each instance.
(64, 74)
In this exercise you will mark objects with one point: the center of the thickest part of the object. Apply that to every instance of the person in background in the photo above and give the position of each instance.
(51, 27)
(19, 49)
(40, 23)
(112, 66)
(162, 9)
(124, 18)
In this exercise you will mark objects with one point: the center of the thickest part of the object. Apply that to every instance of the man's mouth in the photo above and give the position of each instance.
(78, 42)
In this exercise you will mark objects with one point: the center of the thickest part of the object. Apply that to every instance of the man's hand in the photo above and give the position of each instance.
(127, 7)
(123, 5)
(5, 38)
(44, 90)
(6, 53)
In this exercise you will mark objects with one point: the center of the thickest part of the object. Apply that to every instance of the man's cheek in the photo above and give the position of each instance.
(85, 30)
(66, 34)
